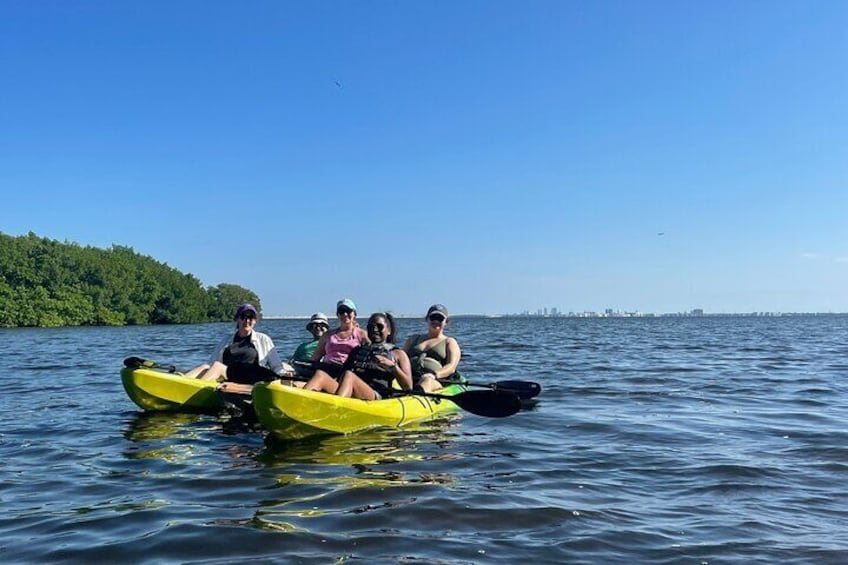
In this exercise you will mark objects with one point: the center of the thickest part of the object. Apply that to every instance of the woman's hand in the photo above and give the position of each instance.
(237, 388)
(384, 362)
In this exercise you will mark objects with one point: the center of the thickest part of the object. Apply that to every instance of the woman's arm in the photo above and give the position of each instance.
(399, 368)
(268, 355)
(453, 356)
(218, 354)
(402, 371)
(274, 361)
(322, 347)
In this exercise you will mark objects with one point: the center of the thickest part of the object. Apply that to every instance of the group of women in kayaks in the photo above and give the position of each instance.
(347, 361)
(344, 380)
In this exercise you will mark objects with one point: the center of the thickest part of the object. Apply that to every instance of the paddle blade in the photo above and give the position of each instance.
(524, 390)
(488, 403)
(138, 363)
(134, 362)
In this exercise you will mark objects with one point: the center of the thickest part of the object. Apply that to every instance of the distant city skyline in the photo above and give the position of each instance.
(554, 312)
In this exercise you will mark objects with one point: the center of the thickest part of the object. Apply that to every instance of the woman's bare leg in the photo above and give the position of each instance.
(214, 372)
(428, 383)
(322, 381)
(197, 371)
(353, 386)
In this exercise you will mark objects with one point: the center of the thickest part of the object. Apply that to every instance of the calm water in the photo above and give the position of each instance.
(713, 440)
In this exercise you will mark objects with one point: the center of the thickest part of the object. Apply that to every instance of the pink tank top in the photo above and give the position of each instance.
(337, 349)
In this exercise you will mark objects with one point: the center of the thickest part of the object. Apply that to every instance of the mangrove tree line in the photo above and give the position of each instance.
(47, 283)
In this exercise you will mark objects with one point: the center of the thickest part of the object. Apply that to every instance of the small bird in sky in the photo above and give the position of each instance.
(338, 83)
(660, 233)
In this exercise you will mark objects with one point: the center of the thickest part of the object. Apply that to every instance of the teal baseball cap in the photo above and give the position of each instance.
(346, 303)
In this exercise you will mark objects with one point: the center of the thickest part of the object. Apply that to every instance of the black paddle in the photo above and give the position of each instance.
(488, 403)
(524, 390)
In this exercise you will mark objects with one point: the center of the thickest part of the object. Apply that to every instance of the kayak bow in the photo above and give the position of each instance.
(159, 390)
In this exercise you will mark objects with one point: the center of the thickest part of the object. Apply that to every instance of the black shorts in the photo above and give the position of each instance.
(333, 369)
(245, 374)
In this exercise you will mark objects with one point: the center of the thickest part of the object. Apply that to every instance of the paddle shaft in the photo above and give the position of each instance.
(525, 390)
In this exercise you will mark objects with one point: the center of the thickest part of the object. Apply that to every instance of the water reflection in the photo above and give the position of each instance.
(150, 426)
(297, 486)
(366, 448)
(339, 476)
(169, 437)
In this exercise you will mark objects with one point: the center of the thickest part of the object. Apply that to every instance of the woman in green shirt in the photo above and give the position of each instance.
(317, 326)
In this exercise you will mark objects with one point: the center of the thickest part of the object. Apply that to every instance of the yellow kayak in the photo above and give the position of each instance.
(160, 390)
(289, 412)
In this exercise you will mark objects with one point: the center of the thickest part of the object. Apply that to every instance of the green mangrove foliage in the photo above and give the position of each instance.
(47, 283)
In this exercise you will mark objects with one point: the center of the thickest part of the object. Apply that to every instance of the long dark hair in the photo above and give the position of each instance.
(389, 319)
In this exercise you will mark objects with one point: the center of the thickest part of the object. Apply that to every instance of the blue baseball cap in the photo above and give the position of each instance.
(245, 308)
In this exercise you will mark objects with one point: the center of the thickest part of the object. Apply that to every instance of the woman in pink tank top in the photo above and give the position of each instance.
(334, 346)
(337, 347)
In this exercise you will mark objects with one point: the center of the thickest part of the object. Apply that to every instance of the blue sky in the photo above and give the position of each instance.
(494, 156)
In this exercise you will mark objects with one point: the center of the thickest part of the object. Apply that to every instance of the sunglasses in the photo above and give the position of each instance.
(247, 317)
(344, 311)
(379, 327)
(436, 318)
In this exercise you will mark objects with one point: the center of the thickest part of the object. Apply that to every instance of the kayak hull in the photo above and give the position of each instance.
(160, 391)
(289, 412)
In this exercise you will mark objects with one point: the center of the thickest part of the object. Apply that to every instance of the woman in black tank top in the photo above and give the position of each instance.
(244, 358)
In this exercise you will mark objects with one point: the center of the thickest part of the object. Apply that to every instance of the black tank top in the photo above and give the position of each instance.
(242, 361)
(241, 352)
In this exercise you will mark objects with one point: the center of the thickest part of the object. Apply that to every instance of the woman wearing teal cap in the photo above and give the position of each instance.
(334, 346)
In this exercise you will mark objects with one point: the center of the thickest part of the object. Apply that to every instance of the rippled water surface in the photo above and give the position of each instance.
(668, 440)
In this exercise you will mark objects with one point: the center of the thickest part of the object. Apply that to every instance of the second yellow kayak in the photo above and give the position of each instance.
(289, 412)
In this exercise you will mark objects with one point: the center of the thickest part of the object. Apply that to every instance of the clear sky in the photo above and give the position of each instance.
(493, 156)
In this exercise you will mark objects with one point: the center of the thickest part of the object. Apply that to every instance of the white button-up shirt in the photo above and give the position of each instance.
(268, 356)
